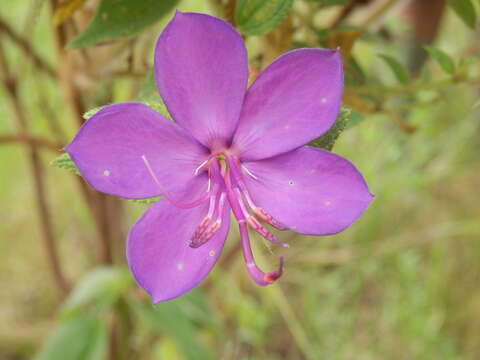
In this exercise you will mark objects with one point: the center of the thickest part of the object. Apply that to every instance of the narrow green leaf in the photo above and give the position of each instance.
(327, 140)
(116, 19)
(329, 2)
(465, 10)
(65, 162)
(443, 59)
(100, 288)
(397, 68)
(332, 2)
(256, 17)
(169, 318)
(79, 338)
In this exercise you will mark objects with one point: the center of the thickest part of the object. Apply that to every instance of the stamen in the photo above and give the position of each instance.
(204, 223)
(202, 234)
(249, 172)
(260, 277)
(167, 196)
(255, 224)
(260, 212)
(197, 170)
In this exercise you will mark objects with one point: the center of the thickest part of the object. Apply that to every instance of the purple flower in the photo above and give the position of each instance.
(230, 148)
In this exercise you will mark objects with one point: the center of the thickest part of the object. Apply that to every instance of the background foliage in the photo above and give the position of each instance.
(401, 283)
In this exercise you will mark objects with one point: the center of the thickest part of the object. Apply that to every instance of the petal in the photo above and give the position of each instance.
(311, 191)
(159, 255)
(294, 100)
(109, 147)
(201, 73)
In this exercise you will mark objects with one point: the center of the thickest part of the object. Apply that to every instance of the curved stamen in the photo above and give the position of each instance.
(194, 242)
(167, 196)
(201, 236)
(260, 277)
(260, 212)
(255, 224)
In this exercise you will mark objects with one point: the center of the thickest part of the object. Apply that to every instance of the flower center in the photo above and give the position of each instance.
(226, 182)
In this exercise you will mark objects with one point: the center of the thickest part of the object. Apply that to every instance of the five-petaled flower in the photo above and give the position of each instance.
(230, 148)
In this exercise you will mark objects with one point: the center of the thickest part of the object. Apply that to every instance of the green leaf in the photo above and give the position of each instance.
(169, 318)
(256, 17)
(79, 338)
(65, 162)
(397, 68)
(332, 2)
(327, 140)
(443, 59)
(117, 19)
(149, 95)
(465, 10)
(100, 288)
(329, 2)
(91, 112)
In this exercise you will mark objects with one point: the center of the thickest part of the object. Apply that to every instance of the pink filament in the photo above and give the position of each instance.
(260, 277)
(167, 196)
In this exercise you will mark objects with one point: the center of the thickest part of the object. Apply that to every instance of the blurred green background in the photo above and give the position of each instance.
(400, 283)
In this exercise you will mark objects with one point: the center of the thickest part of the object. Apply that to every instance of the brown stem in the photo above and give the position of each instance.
(35, 141)
(27, 48)
(95, 201)
(346, 11)
(10, 85)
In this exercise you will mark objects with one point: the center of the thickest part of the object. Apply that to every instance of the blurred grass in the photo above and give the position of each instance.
(401, 283)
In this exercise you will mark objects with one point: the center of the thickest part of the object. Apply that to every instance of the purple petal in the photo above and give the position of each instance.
(311, 191)
(201, 73)
(294, 100)
(109, 147)
(159, 255)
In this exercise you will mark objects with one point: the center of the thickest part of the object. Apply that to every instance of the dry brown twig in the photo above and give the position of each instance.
(10, 84)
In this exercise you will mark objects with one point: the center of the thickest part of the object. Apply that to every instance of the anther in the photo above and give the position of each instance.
(259, 228)
(271, 277)
(203, 233)
(262, 214)
(206, 235)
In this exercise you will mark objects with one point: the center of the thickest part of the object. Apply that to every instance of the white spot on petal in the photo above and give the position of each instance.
(328, 203)
(323, 100)
(180, 267)
(212, 253)
(106, 173)
(286, 127)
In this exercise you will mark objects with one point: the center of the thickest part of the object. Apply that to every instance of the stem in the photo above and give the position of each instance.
(378, 13)
(345, 12)
(10, 85)
(32, 140)
(27, 48)
(294, 325)
(95, 201)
